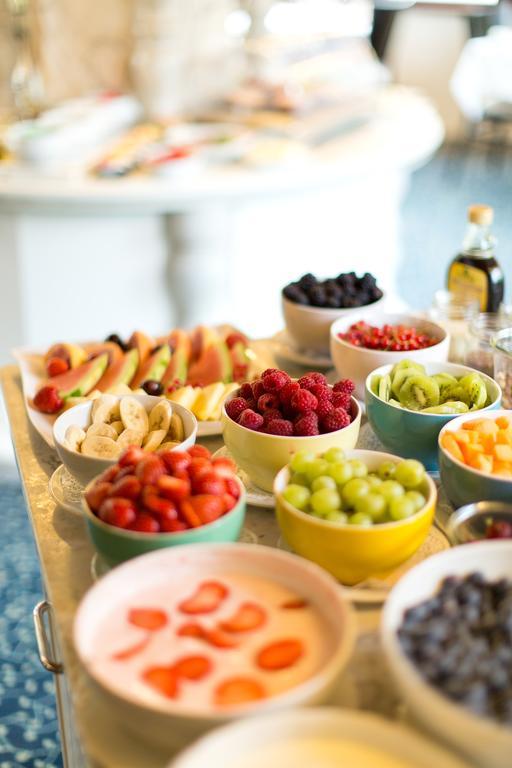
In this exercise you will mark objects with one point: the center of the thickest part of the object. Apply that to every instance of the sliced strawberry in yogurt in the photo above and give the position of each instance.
(238, 690)
(193, 667)
(151, 619)
(132, 650)
(206, 599)
(249, 616)
(294, 604)
(280, 655)
(215, 637)
(162, 679)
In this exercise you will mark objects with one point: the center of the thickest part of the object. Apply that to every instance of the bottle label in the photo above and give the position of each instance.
(470, 282)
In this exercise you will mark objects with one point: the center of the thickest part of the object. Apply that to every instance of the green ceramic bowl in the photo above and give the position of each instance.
(115, 545)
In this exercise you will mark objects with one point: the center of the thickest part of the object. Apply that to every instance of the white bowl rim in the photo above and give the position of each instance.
(354, 406)
(333, 664)
(450, 427)
(411, 318)
(161, 535)
(335, 311)
(392, 645)
(332, 524)
(384, 369)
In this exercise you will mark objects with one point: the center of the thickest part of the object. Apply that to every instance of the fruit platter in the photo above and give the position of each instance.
(197, 369)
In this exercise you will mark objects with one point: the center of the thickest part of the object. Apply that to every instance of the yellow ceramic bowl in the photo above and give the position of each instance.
(261, 456)
(352, 553)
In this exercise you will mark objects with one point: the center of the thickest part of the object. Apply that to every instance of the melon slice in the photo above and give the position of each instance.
(214, 365)
(120, 372)
(202, 337)
(153, 368)
(112, 349)
(78, 382)
(178, 366)
(71, 353)
(240, 361)
(143, 344)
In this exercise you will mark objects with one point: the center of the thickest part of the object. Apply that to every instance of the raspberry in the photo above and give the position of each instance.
(311, 379)
(257, 389)
(337, 419)
(285, 394)
(304, 401)
(345, 385)
(268, 401)
(275, 381)
(48, 400)
(321, 391)
(341, 400)
(272, 413)
(281, 427)
(306, 425)
(235, 407)
(245, 391)
(267, 371)
(324, 407)
(251, 404)
(250, 419)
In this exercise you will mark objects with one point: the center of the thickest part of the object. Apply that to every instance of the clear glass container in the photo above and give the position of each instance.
(502, 344)
(482, 330)
(454, 313)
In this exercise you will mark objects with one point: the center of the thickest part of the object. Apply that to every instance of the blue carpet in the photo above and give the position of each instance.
(29, 735)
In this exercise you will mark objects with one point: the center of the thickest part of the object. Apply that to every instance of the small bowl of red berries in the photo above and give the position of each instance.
(266, 420)
(357, 348)
(482, 520)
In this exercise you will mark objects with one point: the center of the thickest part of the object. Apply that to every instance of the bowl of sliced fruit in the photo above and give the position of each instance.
(409, 403)
(90, 437)
(164, 499)
(357, 514)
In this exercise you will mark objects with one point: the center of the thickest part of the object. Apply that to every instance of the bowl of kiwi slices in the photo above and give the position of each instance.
(408, 404)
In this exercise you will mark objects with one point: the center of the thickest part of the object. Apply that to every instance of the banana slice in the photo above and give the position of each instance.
(119, 389)
(74, 437)
(130, 437)
(134, 415)
(228, 389)
(70, 402)
(154, 439)
(138, 391)
(94, 394)
(160, 416)
(168, 446)
(102, 430)
(118, 426)
(185, 396)
(208, 400)
(105, 409)
(100, 447)
(176, 429)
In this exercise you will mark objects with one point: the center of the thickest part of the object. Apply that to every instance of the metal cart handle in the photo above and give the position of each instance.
(43, 646)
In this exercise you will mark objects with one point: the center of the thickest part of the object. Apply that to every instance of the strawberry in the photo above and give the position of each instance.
(235, 338)
(97, 494)
(47, 400)
(238, 690)
(232, 487)
(144, 523)
(147, 618)
(215, 637)
(162, 679)
(208, 508)
(199, 451)
(172, 526)
(294, 604)
(131, 651)
(149, 469)
(56, 365)
(175, 460)
(206, 599)
(118, 511)
(163, 508)
(248, 616)
(229, 502)
(198, 468)
(209, 483)
(280, 655)
(174, 488)
(188, 514)
(108, 475)
(132, 456)
(128, 487)
(193, 667)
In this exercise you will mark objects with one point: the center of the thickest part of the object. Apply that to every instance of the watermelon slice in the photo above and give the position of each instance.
(202, 337)
(120, 372)
(78, 382)
(181, 351)
(112, 349)
(214, 365)
(142, 343)
(153, 368)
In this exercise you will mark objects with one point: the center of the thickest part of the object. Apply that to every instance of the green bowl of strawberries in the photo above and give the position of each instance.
(164, 499)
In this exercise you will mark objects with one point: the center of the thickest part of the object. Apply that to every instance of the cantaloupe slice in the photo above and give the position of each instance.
(503, 452)
(450, 444)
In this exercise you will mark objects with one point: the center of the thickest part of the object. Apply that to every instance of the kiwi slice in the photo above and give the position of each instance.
(453, 391)
(444, 379)
(407, 364)
(374, 384)
(385, 388)
(449, 407)
(418, 392)
(476, 390)
(400, 377)
(394, 402)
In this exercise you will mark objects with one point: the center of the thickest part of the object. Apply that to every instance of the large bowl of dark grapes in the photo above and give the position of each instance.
(447, 637)
(310, 306)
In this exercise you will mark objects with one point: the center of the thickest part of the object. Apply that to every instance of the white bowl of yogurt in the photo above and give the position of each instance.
(182, 640)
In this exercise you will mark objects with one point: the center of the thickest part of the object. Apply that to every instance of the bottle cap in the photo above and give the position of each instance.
(480, 214)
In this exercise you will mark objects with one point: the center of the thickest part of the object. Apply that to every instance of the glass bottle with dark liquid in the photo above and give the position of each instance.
(475, 273)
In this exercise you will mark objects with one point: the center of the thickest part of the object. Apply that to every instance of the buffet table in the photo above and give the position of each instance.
(90, 736)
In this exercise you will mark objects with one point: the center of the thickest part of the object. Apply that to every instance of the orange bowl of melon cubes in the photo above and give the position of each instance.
(475, 458)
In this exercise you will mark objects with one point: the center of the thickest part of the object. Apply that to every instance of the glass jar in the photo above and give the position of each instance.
(454, 313)
(502, 346)
(482, 330)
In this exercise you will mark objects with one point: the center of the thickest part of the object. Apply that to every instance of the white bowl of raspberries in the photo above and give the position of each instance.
(268, 419)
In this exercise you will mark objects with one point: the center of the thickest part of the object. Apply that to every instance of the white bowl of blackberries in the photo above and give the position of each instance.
(447, 637)
(310, 306)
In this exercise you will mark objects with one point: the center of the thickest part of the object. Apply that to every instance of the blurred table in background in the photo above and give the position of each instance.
(82, 257)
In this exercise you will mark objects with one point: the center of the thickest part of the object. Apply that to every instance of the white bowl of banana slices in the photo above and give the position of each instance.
(90, 437)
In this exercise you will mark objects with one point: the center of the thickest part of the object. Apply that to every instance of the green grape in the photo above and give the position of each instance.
(316, 468)
(297, 495)
(372, 504)
(334, 455)
(373, 481)
(336, 517)
(401, 508)
(324, 481)
(341, 472)
(417, 499)
(353, 490)
(386, 470)
(300, 461)
(359, 468)
(360, 519)
(298, 479)
(390, 489)
(410, 473)
(325, 500)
